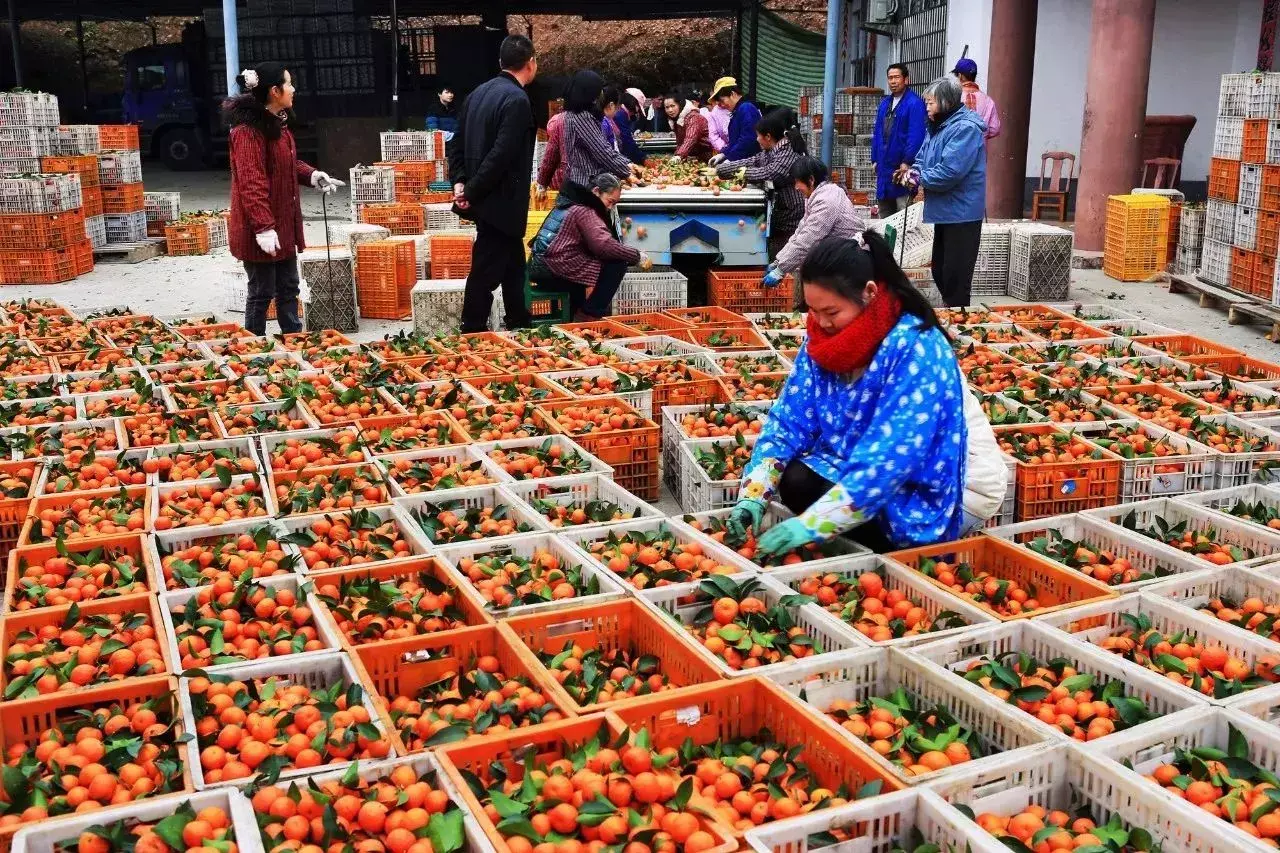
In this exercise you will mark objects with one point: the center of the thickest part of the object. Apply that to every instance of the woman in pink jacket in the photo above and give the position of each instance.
(827, 213)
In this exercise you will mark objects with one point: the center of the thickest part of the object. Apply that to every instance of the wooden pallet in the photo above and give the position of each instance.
(130, 253)
(1241, 308)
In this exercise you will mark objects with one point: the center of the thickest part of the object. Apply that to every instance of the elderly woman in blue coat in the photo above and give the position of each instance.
(868, 437)
(952, 169)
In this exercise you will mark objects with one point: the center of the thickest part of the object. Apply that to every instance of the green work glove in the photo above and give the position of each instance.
(783, 539)
(748, 512)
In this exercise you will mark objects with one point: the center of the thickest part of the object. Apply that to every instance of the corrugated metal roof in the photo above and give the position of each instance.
(788, 57)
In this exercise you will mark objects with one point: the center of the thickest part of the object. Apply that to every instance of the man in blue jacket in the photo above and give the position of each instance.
(900, 127)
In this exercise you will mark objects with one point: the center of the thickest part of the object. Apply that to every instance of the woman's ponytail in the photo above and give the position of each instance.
(887, 270)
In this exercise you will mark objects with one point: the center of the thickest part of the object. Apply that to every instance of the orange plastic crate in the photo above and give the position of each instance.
(24, 721)
(1263, 281)
(59, 501)
(91, 197)
(1270, 188)
(1137, 236)
(1254, 147)
(700, 389)
(1056, 587)
(123, 198)
(25, 231)
(190, 238)
(34, 620)
(45, 266)
(132, 544)
(653, 323)
(1239, 367)
(1179, 346)
(403, 667)
(627, 625)
(118, 137)
(711, 315)
(85, 165)
(1242, 264)
(1224, 179)
(1268, 234)
(1055, 488)
(726, 338)
(742, 289)
(743, 707)
(633, 453)
(385, 274)
(450, 256)
(400, 219)
(13, 511)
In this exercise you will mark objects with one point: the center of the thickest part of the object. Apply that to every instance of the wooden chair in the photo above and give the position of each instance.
(1054, 187)
(1166, 173)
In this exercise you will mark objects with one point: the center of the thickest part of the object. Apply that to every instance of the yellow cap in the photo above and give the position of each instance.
(722, 84)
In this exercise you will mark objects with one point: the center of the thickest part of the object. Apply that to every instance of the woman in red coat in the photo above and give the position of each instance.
(265, 231)
(692, 134)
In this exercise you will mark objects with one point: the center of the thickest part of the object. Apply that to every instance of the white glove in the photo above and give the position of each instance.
(716, 160)
(321, 181)
(646, 263)
(269, 241)
(675, 159)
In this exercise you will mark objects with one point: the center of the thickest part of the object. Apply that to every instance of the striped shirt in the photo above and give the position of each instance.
(587, 153)
(773, 166)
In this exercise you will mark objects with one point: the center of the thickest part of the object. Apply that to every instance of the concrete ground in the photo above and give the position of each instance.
(165, 286)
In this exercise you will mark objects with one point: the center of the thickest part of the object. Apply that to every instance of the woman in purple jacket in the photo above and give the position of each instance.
(578, 251)
(827, 213)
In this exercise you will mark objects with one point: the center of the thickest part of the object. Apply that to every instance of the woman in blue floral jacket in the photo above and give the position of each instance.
(868, 437)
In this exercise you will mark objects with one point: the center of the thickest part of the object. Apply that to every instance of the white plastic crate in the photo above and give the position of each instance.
(162, 207)
(460, 454)
(525, 547)
(383, 512)
(20, 165)
(472, 497)
(1250, 194)
(641, 401)
(50, 836)
(1252, 538)
(1215, 261)
(1233, 98)
(656, 289)
(372, 185)
(1191, 225)
(1220, 221)
(1246, 231)
(125, 227)
(161, 493)
(1263, 96)
(39, 109)
(567, 446)
(26, 141)
(839, 549)
(1192, 468)
(1073, 780)
(95, 229)
(1098, 537)
(673, 435)
(1228, 137)
(1195, 591)
(1039, 262)
(578, 490)
(685, 602)
(698, 492)
(316, 672)
(74, 140)
(1159, 695)
(176, 601)
(120, 167)
(437, 306)
(56, 193)
(1259, 394)
(862, 675)
(440, 217)
(1090, 623)
(1273, 143)
(912, 584)
(1221, 500)
(1186, 261)
(1135, 755)
(412, 145)
(913, 243)
(991, 272)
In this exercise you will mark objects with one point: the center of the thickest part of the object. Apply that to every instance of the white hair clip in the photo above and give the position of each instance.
(861, 241)
(250, 78)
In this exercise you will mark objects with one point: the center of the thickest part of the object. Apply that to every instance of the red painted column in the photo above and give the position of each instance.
(1115, 106)
(1010, 69)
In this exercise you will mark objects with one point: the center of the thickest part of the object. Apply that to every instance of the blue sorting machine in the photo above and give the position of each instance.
(694, 220)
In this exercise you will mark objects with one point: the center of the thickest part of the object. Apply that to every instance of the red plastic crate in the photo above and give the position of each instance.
(743, 291)
(385, 274)
(25, 231)
(399, 219)
(46, 266)
(118, 137)
(1224, 179)
(450, 256)
(123, 198)
(85, 165)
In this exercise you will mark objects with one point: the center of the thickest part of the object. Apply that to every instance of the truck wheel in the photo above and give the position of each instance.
(181, 150)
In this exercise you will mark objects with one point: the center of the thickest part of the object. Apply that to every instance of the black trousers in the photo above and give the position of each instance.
(955, 252)
(497, 259)
(600, 302)
(270, 280)
(890, 206)
(800, 487)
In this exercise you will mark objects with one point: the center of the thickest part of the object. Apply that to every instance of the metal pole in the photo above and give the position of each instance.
(736, 62)
(829, 80)
(395, 66)
(755, 45)
(84, 71)
(15, 35)
(231, 44)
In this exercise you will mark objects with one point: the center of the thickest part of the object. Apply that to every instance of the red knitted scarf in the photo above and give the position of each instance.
(852, 347)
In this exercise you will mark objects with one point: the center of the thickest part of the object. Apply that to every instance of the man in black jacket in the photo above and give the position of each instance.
(491, 165)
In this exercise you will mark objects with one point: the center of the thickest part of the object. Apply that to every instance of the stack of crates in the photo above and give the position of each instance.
(86, 166)
(370, 185)
(161, 209)
(1242, 219)
(855, 121)
(1190, 239)
(42, 235)
(1137, 236)
(386, 271)
(120, 172)
(28, 130)
(417, 158)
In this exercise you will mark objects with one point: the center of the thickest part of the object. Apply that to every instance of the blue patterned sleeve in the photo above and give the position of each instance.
(920, 385)
(790, 430)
